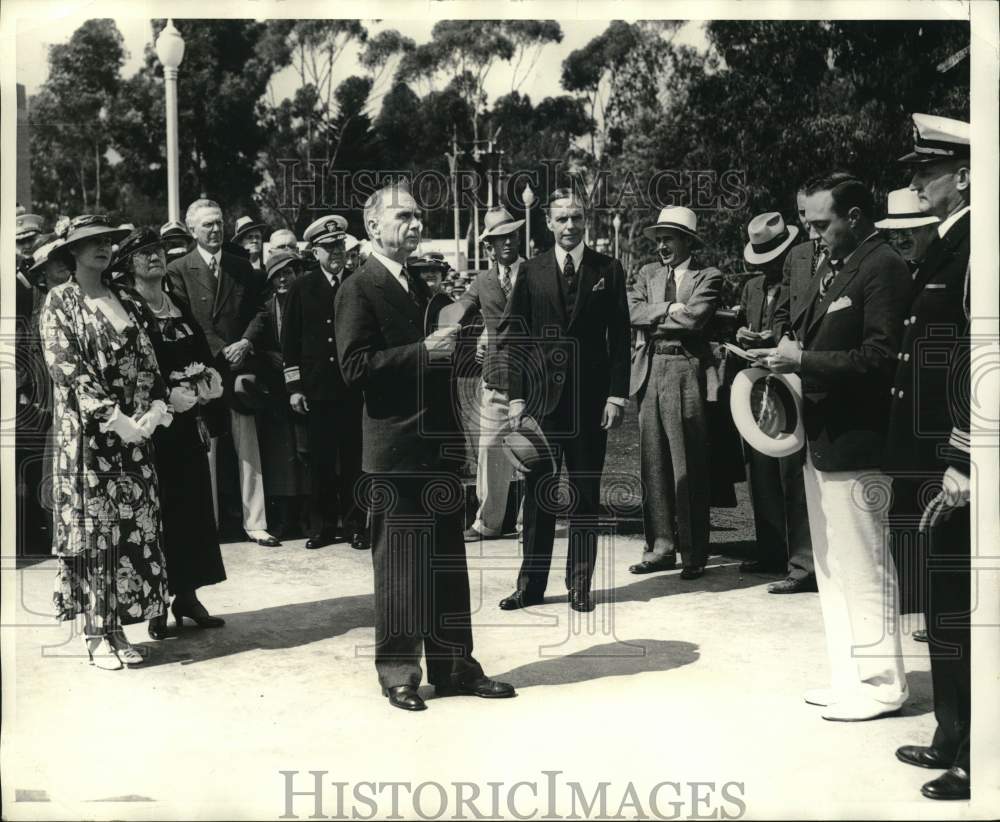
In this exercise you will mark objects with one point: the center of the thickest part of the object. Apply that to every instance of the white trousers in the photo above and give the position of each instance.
(244, 431)
(494, 471)
(857, 581)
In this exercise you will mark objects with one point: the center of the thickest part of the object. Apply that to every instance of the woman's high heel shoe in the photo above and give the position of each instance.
(157, 627)
(101, 653)
(196, 612)
(127, 653)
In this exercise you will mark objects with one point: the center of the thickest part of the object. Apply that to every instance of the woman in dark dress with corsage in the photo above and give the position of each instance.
(191, 539)
(108, 399)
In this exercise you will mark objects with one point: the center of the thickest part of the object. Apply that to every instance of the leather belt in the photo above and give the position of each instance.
(668, 347)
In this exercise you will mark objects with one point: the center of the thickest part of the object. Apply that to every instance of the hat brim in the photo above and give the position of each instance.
(279, 267)
(528, 426)
(918, 158)
(791, 438)
(501, 230)
(906, 222)
(248, 228)
(649, 232)
(756, 258)
(90, 232)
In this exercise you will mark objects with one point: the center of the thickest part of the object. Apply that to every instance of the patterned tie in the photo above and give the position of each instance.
(505, 281)
(412, 288)
(824, 284)
(213, 267)
(817, 253)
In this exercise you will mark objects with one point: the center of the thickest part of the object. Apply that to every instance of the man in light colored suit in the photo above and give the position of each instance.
(673, 376)
(224, 293)
(490, 292)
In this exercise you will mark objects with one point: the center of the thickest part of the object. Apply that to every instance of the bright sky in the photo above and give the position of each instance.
(34, 39)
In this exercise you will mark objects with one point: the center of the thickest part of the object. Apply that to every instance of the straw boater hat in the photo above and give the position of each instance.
(497, 222)
(904, 211)
(244, 225)
(937, 138)
(769, 237)
(767, 411)
(678, 218)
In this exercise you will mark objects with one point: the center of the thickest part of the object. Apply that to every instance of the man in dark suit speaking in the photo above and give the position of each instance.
(418, 553)
(225, 295)
(565, 337)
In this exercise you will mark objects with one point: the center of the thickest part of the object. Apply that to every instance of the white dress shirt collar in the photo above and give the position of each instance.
(944, 226)
(396, 269)
(576, 254)
(514, 268)
(208, 256)
(333, 279)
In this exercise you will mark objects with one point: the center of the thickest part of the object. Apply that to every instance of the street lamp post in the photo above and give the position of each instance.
(529, 199)
(617, 223)
(170, 50)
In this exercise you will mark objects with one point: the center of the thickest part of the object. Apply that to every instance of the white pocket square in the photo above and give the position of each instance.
(599, 285)
(837, 305)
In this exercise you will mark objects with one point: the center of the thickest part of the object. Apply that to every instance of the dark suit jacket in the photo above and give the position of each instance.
(380, 340)
(486, 295)
(549, 346)
(226, 309)
(758, 315)
(699, 291)
(796, 281)
(309, 339)
(930, 396)
(849, 356)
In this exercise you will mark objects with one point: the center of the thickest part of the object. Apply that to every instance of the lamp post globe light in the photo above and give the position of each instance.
(170, 51)
(529, 199)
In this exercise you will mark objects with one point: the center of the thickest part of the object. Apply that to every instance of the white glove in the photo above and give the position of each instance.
(158, 414)
(182, 399)
(124, 426)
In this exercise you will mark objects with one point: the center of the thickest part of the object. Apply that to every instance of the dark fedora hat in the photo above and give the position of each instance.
(259, 385)
(527, 449)
(244, 225)
(281, 259)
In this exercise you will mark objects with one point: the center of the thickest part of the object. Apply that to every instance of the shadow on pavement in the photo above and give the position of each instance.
(284, 626)
(636, 656)
(721, 575)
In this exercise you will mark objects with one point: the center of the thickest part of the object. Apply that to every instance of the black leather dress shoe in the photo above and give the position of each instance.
(320, 542)
(580, 600)
(692, 571)
(923, 756)
(792, 585)
(519, 599)
(755, 566)
(483, 687)
(359, 541)
(920, 636)
(649, 567)
(952, 784)
(404, 697)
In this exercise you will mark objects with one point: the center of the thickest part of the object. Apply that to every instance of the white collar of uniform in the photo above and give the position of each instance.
(208, 256)
(954, 218)
(576, 254)
(396, 269)
(333, 279)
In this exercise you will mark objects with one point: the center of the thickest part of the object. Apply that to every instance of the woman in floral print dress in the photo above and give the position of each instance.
(109, 398)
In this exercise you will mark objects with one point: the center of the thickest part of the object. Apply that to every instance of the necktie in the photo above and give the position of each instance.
(505, 281)
(817, 252)
(670, 289)
(412, 288)
(213, 267)
(824, 284)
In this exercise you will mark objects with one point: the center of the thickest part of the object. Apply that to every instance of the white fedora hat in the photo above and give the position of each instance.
(769, 237)
(767, 411)
(904, 211)
(678, 218)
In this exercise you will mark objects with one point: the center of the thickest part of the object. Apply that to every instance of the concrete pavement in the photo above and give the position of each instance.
(667, 681)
